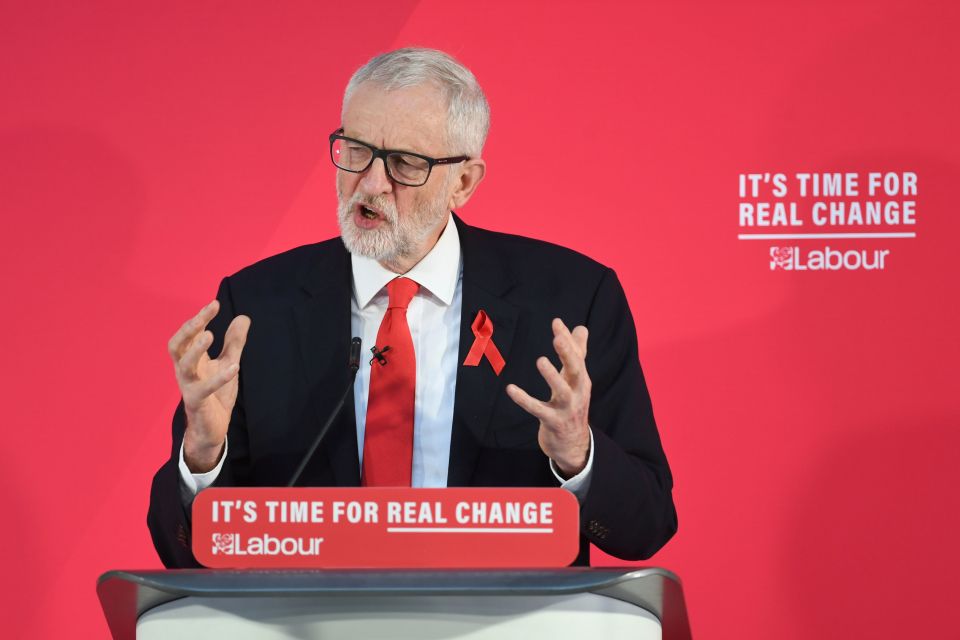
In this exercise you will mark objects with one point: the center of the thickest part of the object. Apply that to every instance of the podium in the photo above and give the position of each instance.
(475, 605)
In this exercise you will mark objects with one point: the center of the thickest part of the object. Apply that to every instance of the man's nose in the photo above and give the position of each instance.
(375, 179)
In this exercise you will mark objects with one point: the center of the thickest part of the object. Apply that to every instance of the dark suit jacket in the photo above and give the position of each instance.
(294, 368)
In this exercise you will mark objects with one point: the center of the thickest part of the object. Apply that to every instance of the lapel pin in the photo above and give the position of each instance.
(483, 344)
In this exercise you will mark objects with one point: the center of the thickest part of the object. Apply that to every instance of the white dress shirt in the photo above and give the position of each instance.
(434, 320)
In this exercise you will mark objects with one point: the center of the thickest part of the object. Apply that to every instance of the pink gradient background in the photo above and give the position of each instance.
(811, 419)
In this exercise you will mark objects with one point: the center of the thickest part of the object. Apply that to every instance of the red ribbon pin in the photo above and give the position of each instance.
(483, 344)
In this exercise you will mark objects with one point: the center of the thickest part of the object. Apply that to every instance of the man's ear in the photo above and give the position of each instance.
(471, 173)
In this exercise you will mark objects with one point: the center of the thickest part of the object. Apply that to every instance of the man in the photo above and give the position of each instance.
(421, 288)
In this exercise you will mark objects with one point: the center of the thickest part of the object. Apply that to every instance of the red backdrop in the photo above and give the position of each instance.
(811, 417)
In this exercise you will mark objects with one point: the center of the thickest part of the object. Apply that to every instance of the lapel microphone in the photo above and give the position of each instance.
(353, 365)
(378, 355)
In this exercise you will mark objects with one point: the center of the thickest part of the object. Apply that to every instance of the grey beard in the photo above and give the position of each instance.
(397, 239)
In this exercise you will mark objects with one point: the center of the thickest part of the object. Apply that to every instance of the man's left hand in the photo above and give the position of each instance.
(564, 429)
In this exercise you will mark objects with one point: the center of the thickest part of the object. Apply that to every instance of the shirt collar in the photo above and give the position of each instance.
(437, 272)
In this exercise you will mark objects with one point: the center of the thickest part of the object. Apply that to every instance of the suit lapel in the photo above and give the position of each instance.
(322, 319)
(478, 388)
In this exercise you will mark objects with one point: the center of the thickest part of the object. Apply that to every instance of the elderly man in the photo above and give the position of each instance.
(417, 284)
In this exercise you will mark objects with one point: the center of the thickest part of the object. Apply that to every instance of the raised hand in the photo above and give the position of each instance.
(564, 427)
(208, 386)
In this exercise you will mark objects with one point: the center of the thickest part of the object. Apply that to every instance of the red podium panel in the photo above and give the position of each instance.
(385, 528)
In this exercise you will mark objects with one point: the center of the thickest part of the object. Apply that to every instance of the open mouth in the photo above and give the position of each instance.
(366, 217)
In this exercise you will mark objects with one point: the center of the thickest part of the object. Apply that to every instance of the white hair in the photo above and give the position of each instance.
(468, 114)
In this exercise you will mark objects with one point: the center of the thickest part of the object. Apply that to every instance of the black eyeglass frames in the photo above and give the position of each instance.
(403, 167)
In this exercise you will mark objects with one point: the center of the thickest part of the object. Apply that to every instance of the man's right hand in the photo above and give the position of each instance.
(208, 386)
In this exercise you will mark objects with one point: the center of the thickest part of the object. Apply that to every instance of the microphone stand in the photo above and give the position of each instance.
(354, 367)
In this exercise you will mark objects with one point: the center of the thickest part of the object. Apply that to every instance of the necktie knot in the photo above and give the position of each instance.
(401, 292)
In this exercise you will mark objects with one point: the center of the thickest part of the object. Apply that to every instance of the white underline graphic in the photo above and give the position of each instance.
(821, 236)
(465, 530)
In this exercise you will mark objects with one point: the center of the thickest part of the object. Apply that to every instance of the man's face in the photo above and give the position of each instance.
(395, 224)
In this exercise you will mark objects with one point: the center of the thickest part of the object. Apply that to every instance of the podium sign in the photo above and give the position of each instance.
(385, 528)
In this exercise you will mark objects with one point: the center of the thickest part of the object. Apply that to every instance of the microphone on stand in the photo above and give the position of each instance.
(354, 366)
(354, 356)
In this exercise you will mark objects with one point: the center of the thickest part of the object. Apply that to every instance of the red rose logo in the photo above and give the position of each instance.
(781, 257)
(223, 542)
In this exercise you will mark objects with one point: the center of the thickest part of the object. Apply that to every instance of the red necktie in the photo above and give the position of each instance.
(388, 436)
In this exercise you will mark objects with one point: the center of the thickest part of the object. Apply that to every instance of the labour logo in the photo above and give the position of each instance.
(781, 257)
(223, 543)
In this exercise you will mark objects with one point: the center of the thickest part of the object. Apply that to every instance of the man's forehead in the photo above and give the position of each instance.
(411, 118)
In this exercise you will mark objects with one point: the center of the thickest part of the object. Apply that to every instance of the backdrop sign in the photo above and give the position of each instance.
(385, 528)
(805, 388)
(828, 221)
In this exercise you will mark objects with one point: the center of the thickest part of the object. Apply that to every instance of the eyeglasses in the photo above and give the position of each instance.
(403, 167)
